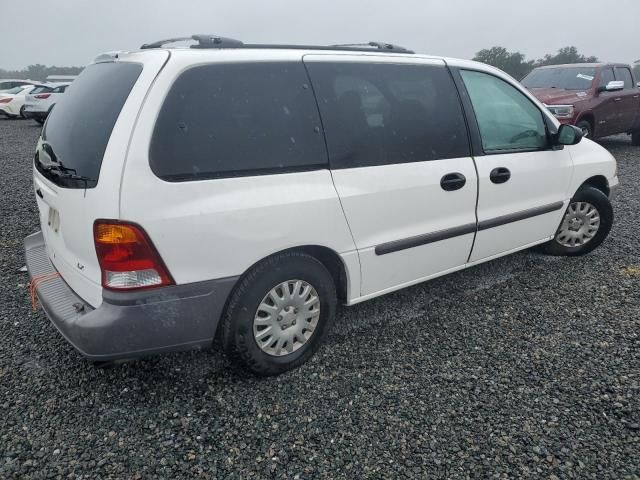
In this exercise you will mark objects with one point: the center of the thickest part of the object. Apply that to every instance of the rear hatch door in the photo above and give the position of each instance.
(79, 161)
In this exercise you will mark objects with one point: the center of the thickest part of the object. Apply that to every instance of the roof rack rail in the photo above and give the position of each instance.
(204, 41)
(216, 41)
(379, 45)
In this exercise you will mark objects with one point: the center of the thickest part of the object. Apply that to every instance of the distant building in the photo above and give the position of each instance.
(61, 78)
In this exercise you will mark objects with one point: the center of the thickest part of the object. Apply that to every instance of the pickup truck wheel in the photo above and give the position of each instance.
(635, 138)
(587, 129)
(586, 223)
(279, 313)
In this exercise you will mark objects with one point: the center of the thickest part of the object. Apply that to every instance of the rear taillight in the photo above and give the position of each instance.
(43, 95)
(127, 257)
(5, 100)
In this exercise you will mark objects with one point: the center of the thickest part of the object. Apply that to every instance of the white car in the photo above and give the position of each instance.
(244, 190)
(8, 84)
(42, 99)
(12, 101)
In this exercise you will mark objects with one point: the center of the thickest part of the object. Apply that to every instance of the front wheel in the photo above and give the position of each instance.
(586, 223)
(587, 129)
(279, 313)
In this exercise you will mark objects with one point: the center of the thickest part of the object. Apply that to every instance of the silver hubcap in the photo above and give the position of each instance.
(580, 224)
(585, 132)
(286, 318)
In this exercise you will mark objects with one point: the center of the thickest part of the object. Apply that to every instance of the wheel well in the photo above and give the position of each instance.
(329, 258)
(598, 182)
(332, 261)
(588, 117)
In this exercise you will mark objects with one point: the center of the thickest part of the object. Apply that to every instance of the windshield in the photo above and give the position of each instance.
(14, 90)
(41, 89)
(77, 131)
(573, 78)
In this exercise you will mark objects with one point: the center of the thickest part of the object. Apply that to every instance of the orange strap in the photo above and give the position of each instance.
(37, 280)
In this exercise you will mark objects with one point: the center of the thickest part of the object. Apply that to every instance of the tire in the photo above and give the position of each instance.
(586, 195)
(635, 138)
(238, 329)
(22, 114)
(586, 127)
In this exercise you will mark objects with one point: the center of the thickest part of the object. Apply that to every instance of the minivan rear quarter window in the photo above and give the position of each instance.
(79, 126)
(239, 119)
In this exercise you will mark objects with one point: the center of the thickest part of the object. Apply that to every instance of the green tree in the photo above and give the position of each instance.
(511, 62)
(565, 55)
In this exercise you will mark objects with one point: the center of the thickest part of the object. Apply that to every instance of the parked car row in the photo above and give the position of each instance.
(601, 99)
(28, 99)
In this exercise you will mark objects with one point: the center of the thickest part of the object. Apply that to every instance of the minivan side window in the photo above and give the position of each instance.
(606, 76)
(238, 119)
(624, 74)
(379, 114)
(507, 119)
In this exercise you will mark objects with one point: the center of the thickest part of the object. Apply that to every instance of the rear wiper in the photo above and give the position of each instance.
(65, 172)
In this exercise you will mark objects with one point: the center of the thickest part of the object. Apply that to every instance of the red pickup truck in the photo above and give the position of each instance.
(600, 98)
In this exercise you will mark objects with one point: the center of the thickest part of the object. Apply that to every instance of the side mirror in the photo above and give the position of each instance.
(612, 86)
(568, 135)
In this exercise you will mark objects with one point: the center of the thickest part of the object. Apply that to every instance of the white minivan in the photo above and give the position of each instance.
(241, 191)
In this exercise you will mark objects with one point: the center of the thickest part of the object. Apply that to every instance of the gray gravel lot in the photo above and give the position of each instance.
(528, 366)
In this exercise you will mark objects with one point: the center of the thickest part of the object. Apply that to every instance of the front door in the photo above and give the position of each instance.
(629, 104)
(400, 160)
(522, 181)
(608, 116)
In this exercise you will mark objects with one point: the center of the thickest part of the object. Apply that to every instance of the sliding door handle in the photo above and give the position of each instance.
(500, 175)
(452, 181)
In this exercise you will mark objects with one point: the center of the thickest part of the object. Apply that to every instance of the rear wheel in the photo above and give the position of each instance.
(586, 127)
(586, 223)
(279, 313)
(22, 114)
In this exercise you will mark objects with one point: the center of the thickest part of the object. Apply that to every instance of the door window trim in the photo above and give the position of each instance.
(472, 119)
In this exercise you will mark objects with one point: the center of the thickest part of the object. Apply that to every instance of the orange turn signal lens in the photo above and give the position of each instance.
(115, 234)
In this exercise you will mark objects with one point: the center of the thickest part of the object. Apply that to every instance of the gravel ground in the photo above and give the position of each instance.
(528, 366)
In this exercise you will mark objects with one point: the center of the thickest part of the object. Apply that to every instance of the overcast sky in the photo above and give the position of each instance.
(73, 32)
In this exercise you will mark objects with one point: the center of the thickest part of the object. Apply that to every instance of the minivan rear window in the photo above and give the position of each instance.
(240, 119)
(79, 126)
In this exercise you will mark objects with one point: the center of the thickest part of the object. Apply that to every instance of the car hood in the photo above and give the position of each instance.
(557, 96)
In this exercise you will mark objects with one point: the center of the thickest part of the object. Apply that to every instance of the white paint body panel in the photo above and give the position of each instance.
(221, 227)
(537, 179)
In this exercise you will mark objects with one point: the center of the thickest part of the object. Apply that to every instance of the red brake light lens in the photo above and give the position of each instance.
(5, 100)
(127, 257)
(43, 95)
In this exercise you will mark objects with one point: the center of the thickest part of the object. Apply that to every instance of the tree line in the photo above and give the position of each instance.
(516, 65)
(39, 72)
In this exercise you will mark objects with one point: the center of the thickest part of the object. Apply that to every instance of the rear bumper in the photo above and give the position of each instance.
(131, 324)
(34, 114)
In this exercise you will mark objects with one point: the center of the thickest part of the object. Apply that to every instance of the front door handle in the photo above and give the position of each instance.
(617, 99)
(500, 175)
(452, 181)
